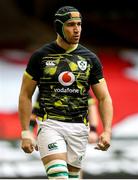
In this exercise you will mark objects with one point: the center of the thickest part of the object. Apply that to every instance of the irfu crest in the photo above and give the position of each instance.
(82, 65)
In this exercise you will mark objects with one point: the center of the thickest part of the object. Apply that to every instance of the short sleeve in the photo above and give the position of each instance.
(33, 66)
(96, 71)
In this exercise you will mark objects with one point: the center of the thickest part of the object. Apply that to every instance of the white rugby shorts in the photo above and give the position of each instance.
(63, 137)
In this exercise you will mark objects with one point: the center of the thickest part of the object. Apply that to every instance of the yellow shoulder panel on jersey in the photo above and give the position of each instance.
(102, 80)
(28, 75)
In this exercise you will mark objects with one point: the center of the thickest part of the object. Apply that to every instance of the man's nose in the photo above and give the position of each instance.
(76, 29)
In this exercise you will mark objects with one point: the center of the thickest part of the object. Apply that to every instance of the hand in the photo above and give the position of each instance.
(93, 137)
(104, 141)
(28, 143)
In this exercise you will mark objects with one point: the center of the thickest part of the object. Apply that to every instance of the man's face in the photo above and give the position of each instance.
(72, 31)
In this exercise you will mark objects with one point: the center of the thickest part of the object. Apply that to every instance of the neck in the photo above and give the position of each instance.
(64, 44)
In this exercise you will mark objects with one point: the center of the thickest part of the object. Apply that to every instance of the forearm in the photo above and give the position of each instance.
(106, 113)
(25, 110)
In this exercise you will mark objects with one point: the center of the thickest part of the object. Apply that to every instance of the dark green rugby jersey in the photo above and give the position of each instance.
(64, 79)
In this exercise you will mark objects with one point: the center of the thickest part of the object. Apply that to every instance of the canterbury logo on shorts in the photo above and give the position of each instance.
(52, 146)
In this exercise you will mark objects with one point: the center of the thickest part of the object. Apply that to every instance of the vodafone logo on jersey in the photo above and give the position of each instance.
(66, 78)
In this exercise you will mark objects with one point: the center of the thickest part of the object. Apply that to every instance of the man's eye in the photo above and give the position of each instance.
(70, 24)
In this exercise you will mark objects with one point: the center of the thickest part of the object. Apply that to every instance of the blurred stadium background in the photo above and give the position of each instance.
(110, 29)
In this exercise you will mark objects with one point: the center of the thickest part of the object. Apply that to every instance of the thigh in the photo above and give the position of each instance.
(76, 148)
(50, 142)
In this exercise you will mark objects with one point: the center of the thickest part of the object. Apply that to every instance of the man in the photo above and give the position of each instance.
(64, 70)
